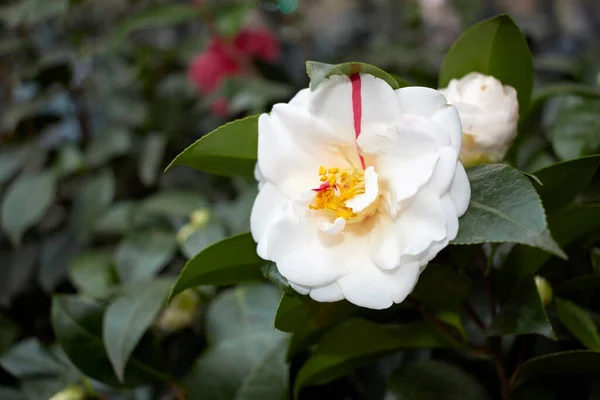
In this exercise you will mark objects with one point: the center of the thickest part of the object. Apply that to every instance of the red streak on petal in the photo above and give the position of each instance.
(324, 186)
(357, 109)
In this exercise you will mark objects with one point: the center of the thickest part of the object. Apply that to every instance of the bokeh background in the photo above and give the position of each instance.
(97, 96)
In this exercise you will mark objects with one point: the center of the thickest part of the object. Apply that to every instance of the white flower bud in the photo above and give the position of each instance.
(489, 113)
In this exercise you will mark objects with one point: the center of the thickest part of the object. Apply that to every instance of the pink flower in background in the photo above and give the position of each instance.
(208, 69)
(258, 43)
(220, 108)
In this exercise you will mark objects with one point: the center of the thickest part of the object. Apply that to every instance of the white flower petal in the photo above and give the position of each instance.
(366, 287)
(379, 102)
(448, 118)
(387, 252)
(300, 288)
(301, 99)
(444, 171)
(451, 217)
(333, 228)
(268, 207)
(421, 101)
(328, 293)
(362, 201)
(402, 281)
(309, 257)
(332, 101)
(460, 190)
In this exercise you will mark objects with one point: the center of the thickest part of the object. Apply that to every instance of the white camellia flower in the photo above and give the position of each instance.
(360, 187)
(489, 112)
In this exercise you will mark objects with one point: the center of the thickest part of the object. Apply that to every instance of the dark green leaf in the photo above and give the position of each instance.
(401, 81)
(30, 12)
(28, 358)
(581, 283)
(287, 6)
(8, 333)
(269, 378)
(202, 238)
(504, 207)
(355, 342)
(228, 150)
(292, 312)
(431, 379)
(77, 322)
(573, 132)
(563, 363)
(141, 255)
(271, 272)
(26, 202)
(92, 273)
(317, 71)
(115, 220)
(16, 272)
(563, 181)
(523, 314)
(108, 144)
(567, 226)
(579, 322)
(493, 47)
(442, 288)
(232, 260)
(7, 393)
(247, 307)
(556, 89)
(42, 387)
(179, 204)
(127, 318)
(11, 160)
(92, 199)
(151, 157)
(156, 17)
(253, 94)
(57, 252)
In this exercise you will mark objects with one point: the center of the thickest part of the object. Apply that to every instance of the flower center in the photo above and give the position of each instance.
(337, 189)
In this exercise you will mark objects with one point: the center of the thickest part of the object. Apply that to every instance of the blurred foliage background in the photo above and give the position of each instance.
(97, 96)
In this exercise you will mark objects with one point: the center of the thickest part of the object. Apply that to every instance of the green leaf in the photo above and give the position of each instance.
(442, 288)
(292, 311)
(8, 333)
(493, 47)
(563, 181)
(116, 219)
(26, 202)
(141, 255)
(432, 379)
(228, 150)
(243, 346)
(401, 81)
(7, 393)
(92, 273)
(579, 322)
(504, 207)
(271, 272)
(155, 17)
(28, 358)
(317, 71)
(77, 323)
(151, 157)
(11, 160)
(247, 307)
(127, 318)
(563, 363)
(230, 261)
(355, 342)
(57, 252)
(547, 92)
(287, 6)
(523, 314)
(203, 237)
(92, 199)
(176, 204)
(581, 283)
(269, 378)
(253, 94)
(573, 132)
(107, 144)
(567, 226)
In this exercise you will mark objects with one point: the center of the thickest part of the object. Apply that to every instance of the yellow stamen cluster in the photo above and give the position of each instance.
(337, 188)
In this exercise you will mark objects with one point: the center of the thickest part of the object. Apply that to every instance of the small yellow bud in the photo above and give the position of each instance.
(544, 289)
(200, 217)
(180, 313)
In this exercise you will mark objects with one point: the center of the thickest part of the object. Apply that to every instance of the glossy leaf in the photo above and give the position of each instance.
(28, 358)
(563, 181)
(26, 202)
(247, 307)
(269, 378)
(151, 157)
(317, 71)
(232, 260)
(567, 363)
(127, 318)
(271, 272)
(581, 283)
(523, 314)
(92, 273)
(77, 323)
(354, 342)
(504, 207)
(92, 199)
(228, 150)
(493, 47)
(431, 379)
(567, 226)
(579, 322)
(141, 255)
(292, 312)
(442, 288)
